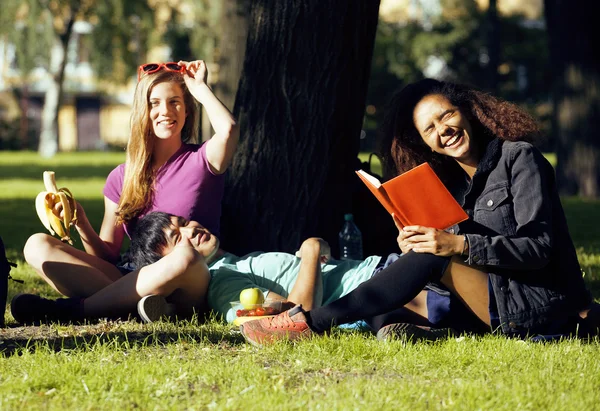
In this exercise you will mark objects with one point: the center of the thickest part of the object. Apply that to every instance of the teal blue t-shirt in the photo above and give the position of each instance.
(277, 272)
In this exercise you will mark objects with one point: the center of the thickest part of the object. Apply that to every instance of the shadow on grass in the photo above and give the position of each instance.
(19, 221)
(72, 172)
(15, 340)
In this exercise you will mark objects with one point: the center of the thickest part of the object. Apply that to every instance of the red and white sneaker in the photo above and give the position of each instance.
(290, 325)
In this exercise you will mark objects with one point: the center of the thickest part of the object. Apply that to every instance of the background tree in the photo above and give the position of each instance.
(300, 106)
(216, 32)
(503, 54)
(493, 46)
(574, 50)
(15, 29)
(231, 48)
(121, 31)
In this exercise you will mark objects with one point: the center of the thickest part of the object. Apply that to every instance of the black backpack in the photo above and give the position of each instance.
(5, 266)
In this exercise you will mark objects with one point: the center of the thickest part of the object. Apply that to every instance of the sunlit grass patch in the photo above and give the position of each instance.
(200, 365)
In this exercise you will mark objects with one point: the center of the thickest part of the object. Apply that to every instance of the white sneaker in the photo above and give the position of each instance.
(152, 308)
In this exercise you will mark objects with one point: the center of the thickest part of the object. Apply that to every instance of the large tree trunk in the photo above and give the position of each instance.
(300, 105)
(573, 35)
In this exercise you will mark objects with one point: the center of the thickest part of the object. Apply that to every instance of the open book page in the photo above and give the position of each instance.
(371, 179)
(374, 185)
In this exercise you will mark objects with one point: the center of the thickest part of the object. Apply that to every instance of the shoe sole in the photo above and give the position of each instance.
(152, 308)
(258, 344)
(413, 332)
(252, 342)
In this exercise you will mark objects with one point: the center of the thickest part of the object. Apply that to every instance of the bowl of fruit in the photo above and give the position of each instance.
(267, 307)
(252, 305)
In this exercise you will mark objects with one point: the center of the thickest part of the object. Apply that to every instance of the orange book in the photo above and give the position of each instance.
(417, 197)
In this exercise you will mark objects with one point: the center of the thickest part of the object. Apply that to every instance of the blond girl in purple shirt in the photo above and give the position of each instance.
(164, 171)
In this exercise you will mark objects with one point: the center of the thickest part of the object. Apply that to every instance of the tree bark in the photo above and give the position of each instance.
(574, 51)
(300, 105)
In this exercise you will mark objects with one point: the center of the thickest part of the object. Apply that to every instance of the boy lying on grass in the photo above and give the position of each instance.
(310, 278)
(161, 241)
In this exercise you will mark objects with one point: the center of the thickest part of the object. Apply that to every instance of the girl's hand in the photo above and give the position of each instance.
(196, 74)
(403, 236)
(81, 220)
(431, 240)
(81, 216)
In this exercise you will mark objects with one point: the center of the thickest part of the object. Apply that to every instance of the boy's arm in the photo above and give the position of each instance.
(308, 288)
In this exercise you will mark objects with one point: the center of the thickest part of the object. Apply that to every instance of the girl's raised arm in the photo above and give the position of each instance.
(221, 147)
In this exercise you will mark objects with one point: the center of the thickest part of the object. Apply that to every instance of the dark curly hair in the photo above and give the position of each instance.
(402, 148)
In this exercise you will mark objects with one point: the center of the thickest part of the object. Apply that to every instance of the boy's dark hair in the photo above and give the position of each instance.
(149, 238)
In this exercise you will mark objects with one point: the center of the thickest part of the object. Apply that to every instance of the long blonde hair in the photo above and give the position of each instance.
(138, 182)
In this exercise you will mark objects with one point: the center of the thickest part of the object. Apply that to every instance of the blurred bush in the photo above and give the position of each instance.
(9, 134)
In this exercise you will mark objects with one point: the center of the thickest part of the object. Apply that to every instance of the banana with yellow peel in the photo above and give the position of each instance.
(48, 205)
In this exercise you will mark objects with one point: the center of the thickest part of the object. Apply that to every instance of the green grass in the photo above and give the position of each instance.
(339, 372)
(373, 160)
(199, 366)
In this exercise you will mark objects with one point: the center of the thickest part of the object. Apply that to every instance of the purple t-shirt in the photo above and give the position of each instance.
(185, 186)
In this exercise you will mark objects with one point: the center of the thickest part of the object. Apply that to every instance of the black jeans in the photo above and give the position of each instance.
(387, 291)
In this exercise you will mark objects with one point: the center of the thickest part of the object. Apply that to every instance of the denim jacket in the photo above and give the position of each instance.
(517, 232)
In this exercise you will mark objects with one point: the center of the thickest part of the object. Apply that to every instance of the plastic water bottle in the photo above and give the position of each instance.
(350, 240)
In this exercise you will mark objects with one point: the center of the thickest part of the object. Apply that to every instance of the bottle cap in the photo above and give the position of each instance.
(348, 217)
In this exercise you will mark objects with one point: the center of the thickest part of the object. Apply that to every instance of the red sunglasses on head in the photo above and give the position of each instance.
(149, 68)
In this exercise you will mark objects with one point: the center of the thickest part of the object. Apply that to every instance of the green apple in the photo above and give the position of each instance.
(250, 297)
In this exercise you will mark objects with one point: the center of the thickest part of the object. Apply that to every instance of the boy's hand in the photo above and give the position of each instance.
(325, 251)
(315, 243)
(184, 242)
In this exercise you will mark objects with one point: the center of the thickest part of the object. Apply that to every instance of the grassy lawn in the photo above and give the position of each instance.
(206, 365)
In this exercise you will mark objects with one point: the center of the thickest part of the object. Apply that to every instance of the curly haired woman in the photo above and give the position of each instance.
(510, 268)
